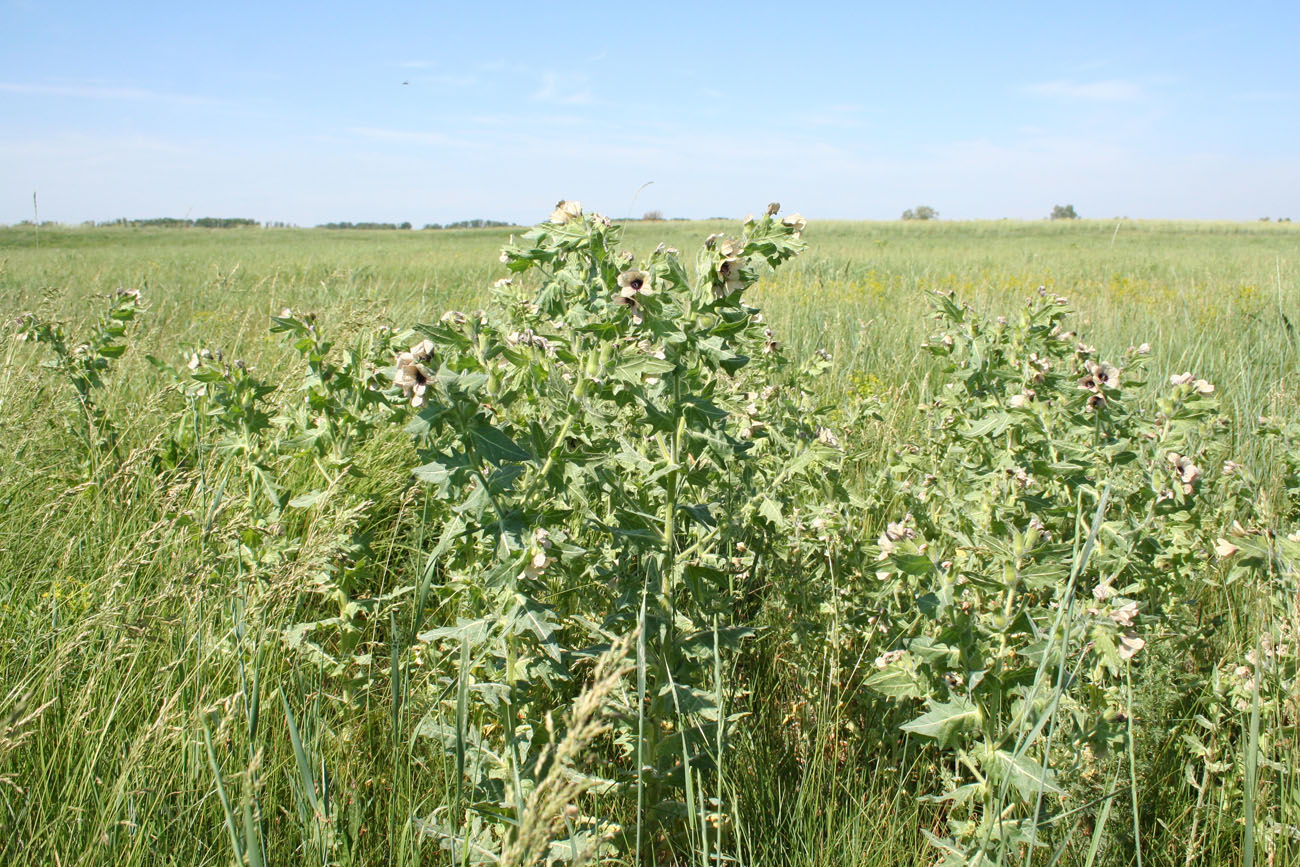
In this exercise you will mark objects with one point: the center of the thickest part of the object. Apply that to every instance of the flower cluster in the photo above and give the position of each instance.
(1098, 378)
(527, 337)
(566, 211)
(730, 277)
(412, 377)
(1200, 386)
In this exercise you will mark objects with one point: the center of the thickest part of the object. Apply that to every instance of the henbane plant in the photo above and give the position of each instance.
(594, 455)
(83, 361)
(1051, 527)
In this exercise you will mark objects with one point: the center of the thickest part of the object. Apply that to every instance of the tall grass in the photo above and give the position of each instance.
(130, 731)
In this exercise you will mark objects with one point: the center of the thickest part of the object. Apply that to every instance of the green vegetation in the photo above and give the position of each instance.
(364, 226)
(469, 224)
(969, 542)
(185, 223)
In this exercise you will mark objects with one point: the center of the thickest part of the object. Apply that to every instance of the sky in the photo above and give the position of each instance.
(436, 112)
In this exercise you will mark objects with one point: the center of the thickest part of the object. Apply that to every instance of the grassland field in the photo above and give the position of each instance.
(111, 649)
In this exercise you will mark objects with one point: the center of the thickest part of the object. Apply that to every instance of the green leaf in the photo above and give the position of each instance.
(539, 620)
(990, 425)
(306, 501)
(944, 720)
(912, 564)
(441, 472)
(896, 681)
(631, 369)
(816, 453)
(771, 510)
(493, 444)
(473, 631)
(1028, 778)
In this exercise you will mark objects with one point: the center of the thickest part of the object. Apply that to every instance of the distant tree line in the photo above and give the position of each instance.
(182, 223)
(364, 226)
(469, 224)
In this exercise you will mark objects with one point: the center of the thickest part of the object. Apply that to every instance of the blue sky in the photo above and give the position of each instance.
(445, 111)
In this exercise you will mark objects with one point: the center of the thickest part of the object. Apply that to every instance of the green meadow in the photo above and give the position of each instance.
(153, 710)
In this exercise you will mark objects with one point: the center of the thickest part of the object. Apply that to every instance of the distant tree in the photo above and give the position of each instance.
(921, 212)
(184, 223)
(347, 225)
(1064, 212)
(476, 223)
(653, 216)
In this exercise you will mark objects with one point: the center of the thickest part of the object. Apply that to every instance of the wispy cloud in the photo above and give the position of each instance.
(423, 137)
(451, 80)
(1111, 90)
(1270, 96)
(564, 89)
(843, 116)
(104, 92)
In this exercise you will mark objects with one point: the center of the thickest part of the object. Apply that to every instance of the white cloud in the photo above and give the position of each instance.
(451, 80)
(421, 137)
(564, 89)
(103, 92)
(1111, 90)
(1270, 96)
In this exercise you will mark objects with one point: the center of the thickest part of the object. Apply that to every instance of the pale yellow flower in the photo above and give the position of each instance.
(537, 564)
(895, 531)
(1188, 472)
(1023, 399)
(528, 337)
(1123, 616)
(888, 657)
(1107, 375)
(623, 299)
(635, 283)
(729, 274)
(412, 378)
(566, 211)
(1129, 645)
